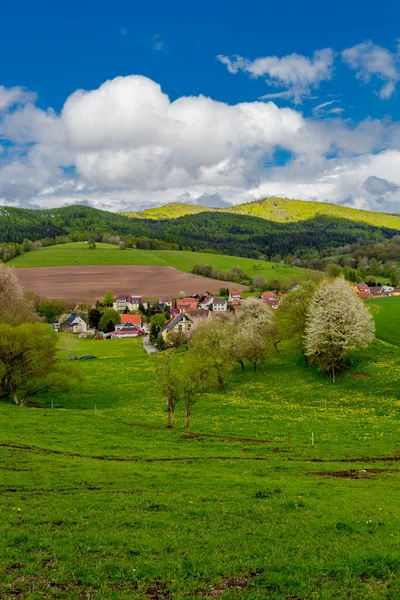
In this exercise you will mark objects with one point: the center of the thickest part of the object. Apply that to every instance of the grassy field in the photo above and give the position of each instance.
(281, 210)
(387, 318)
(107, 254)
(99, 500)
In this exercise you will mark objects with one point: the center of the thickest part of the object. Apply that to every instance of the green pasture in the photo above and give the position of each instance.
(386, 313)
(107, 254)
(99, 500)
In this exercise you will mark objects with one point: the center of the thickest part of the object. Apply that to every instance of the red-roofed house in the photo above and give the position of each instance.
(362, 287)
(185, 304)
(134, 319)
(125, 330)
(271, 299)
(235, 295)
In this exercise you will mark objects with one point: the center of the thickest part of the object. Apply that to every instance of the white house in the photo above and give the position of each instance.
(75, 323)
(219, 304)
(235, 295)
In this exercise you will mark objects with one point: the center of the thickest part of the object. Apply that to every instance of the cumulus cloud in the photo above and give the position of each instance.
(126, 145)
(370, 60)
(298, 74)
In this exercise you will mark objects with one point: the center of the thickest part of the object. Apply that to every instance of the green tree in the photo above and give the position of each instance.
(211, 344)
(156, 324)
(108, 320)
(51, 310)
(94, 316)
(91, 244)
(293, 310)
(108, 299)
(28, 362)
(168, 381)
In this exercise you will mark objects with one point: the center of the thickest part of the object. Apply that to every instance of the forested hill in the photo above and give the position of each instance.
(228, 233)
(280, 210)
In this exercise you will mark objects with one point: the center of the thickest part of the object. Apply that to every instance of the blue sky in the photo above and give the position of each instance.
(304, 102)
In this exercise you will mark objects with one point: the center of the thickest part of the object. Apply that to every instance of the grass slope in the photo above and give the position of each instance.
(107, 254)
(110, 505)
(281, 210)
(387, 318)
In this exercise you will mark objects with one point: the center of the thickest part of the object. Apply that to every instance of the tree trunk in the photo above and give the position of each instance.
(241, 364)
(255, 366)
(15, 398)
(187, 416)
(276, 345)
(221, 382)
(170, 421)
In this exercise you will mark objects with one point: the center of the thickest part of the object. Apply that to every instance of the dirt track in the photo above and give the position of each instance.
(89, 283)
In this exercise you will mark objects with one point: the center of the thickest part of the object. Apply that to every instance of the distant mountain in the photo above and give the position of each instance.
(280, 210)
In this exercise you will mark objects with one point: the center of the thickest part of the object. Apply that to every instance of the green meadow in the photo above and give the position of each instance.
(386, 313)
(107, 254)
(99, 500)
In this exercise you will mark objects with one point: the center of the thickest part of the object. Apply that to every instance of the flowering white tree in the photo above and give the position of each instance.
(337, 322)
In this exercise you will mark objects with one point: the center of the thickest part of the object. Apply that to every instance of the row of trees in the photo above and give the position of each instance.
(326, 321)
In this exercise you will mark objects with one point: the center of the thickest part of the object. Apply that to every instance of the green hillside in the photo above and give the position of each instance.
(100, 501)
(173, 210)
(108, 254)
(280, 210)
(386, 313)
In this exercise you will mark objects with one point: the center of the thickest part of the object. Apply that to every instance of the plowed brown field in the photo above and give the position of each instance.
(85, 284)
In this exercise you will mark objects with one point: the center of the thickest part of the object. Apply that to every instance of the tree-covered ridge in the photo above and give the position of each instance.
(281, 210)
(227, 233)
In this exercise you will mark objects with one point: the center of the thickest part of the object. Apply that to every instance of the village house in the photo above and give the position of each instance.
(363, 290)
(185, 304)
(235, 295)
(180, 323)
(219, 304)
(124, 302)
(125, 330)
(270, 298)
(75, 323)
(395, 292)
(198, 313)
(205, 301)
(166, 301)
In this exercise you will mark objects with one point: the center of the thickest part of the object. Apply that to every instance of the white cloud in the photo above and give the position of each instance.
(299, 74)
(369, 60)
(16, 95)
(127, 145)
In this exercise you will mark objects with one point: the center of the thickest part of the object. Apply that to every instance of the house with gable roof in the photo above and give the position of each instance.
(179, 323)
(235, 295)
(270, 298)
(75, 323)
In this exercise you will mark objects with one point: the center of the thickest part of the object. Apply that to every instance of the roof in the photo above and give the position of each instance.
(198, 313)
(219, 300)
(187, 303)
(165, 299)
(73, 316)
(172, 322)
(124, 297)
(235, 303)
(364, 294)
(265, 295)
(363, 287)
(235, 293)
(134, 319)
